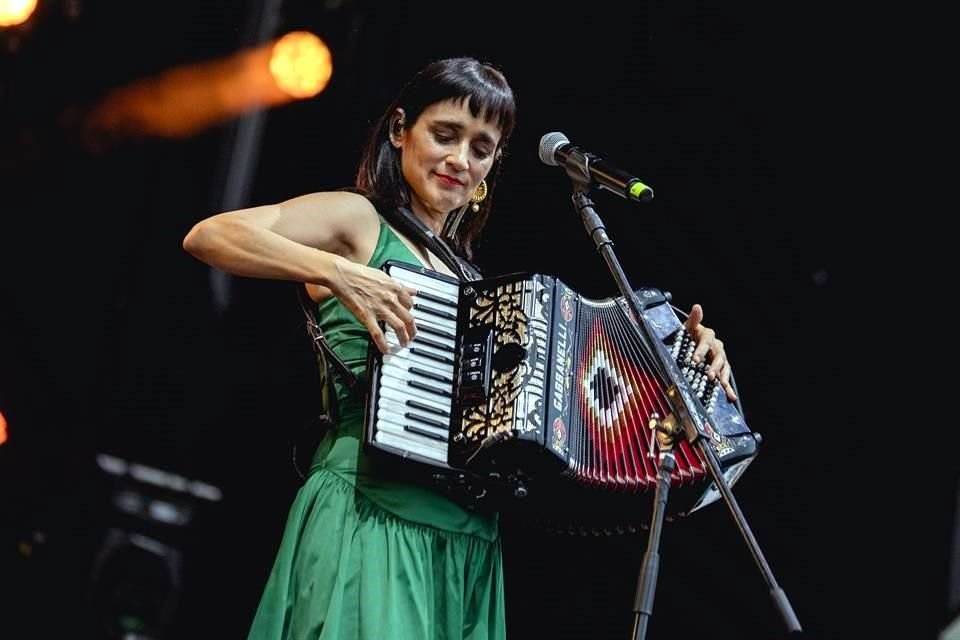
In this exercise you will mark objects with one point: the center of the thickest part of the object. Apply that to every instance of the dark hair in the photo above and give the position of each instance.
(487, 93)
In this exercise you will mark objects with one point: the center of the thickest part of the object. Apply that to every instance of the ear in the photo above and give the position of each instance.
(397, 127)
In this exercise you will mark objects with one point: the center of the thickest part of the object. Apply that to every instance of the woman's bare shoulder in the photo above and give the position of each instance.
(343, 206)
(340, 221)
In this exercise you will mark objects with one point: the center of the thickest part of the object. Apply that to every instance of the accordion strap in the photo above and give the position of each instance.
(408, 223)
(326, 356)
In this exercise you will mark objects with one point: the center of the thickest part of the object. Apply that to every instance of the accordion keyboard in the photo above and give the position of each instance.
(412, 413)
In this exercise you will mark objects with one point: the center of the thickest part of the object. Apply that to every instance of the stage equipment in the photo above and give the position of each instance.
(695, 425)
(137, 578)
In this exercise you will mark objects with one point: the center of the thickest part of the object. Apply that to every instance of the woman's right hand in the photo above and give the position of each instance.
(371, 295)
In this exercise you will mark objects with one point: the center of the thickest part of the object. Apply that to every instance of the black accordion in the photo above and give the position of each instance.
(523, 395)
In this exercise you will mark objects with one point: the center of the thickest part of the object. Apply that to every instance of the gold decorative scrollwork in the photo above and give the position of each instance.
(502, 310)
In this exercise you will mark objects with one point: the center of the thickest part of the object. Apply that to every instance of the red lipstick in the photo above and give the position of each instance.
(448, 179)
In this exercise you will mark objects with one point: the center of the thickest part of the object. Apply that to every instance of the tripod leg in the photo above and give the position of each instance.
(647, 580)
(776, 593)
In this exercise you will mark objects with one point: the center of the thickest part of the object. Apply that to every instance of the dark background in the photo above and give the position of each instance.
(789, 147)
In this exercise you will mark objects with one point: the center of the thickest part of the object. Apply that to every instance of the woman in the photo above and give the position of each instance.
(362, 555)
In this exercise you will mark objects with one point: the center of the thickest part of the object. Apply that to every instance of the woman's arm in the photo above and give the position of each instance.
(321, 239)
(299, 239)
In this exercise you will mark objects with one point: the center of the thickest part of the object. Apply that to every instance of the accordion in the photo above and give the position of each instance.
(520, 394)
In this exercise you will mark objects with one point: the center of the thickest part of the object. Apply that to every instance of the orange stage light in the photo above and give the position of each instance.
(3, 428)
(301, 64)
(14, 12)
(186, 100)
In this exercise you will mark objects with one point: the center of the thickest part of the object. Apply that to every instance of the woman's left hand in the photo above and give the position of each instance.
(711, 347)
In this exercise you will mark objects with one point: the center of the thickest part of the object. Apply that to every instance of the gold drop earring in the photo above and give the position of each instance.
(478, 196)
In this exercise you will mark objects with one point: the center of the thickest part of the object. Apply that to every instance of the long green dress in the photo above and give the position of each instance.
(364, 557)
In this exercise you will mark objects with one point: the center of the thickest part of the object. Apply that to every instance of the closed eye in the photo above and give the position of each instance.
(482, 154)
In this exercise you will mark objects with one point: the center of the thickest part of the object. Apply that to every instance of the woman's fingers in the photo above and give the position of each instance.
(718, 357)
(409, 324)
(725, 382)
(703, 335)
(694, 318)
(404, 305)
(370, 321)
(374, 297)
(396, 305)
(406, 296)
(399, 326)
(709, 344)
(704, 343)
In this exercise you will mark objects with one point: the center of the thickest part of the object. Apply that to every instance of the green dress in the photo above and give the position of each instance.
(364, 557)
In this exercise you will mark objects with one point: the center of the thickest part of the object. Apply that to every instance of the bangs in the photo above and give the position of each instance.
(485, 90)
(492, 105)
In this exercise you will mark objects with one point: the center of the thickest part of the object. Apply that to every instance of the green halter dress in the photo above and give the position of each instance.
(365, 557)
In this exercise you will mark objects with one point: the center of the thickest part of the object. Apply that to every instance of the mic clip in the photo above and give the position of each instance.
(579, 169)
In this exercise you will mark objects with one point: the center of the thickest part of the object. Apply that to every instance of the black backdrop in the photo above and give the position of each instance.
(776, 140)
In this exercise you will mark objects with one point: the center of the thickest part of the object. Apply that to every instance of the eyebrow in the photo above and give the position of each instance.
(453, 124)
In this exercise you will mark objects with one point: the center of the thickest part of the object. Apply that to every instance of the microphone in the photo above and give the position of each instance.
(556, 151)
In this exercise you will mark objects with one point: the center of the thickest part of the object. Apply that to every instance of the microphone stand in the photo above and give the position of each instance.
(647, 580)
(646, 584)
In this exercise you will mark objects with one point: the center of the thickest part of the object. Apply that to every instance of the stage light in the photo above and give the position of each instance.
(3, 428)
(188, 99)
(301, 64)
(14, 12)
(135, 585)
(137, 578)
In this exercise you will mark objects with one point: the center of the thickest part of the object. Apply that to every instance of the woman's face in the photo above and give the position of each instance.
(444, 156)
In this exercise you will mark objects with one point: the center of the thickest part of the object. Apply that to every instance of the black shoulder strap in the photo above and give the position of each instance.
(325, 355)
(310, 434)
(411, 224)
(408, 223)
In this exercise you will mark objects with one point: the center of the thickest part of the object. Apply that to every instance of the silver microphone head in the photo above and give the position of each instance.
(549, 144)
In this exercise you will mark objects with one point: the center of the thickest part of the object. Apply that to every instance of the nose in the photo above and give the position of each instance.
(459, 158)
